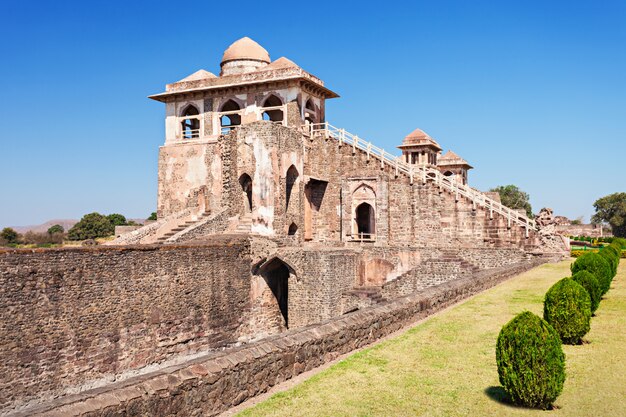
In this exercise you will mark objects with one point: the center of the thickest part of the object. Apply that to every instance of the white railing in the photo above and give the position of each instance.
(190, 134)
(423, 173)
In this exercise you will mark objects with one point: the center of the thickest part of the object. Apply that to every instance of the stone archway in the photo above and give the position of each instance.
(276, 274)
(246, 187)
(365, 221)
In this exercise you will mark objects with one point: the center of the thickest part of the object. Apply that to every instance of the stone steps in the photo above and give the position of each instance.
(245, 224)
(373, 293)
(179, 228)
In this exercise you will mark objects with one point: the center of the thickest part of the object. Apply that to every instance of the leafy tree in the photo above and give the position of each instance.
(512, 197)
(153, 216)
(91, 226)
(117, 219)
(612, 210)
(9, 235)
(57, 228)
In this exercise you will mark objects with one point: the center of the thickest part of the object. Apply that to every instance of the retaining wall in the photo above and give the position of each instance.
(212, 384)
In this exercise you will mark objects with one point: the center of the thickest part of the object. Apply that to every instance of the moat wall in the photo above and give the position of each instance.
(69, 316)
(214, 383)
(72, 318)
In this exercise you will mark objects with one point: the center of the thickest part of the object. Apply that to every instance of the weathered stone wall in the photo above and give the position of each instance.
(212, 384)
(590, 230)
(70, 316)
(406, 212)
(190, 175)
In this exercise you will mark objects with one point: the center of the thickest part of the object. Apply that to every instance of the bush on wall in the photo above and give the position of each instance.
(531, 363)
(567, 307)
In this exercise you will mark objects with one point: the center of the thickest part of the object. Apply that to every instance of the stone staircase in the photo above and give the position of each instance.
(415, 172)
(465, 266)
(368, 295)
(245, 224)
(179, 228)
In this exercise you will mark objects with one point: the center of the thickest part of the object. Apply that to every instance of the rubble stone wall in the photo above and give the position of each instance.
(69, 316)
(212, 384)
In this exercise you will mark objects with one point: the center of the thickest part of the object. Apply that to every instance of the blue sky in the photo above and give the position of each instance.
(531, 93)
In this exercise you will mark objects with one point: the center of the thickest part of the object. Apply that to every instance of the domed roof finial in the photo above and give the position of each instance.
(245, 49)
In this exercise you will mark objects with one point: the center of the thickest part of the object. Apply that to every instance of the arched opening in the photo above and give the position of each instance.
(448, 174)
(231, 118)
(271, 112)
(309, 113)
(290, 180)
(191, 122)
(293, 228)
(365, 221)
(246, 186)
(276, 275)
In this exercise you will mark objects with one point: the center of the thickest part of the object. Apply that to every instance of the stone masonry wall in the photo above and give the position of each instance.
(70, 316)
(408, 212)
(214, 383)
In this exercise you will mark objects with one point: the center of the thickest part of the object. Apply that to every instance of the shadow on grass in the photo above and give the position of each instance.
(499, 395)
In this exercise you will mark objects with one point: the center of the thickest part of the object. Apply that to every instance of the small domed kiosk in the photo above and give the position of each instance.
(419, 149)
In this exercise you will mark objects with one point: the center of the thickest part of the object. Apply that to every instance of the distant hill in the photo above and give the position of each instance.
(40, 228)
(66, 223)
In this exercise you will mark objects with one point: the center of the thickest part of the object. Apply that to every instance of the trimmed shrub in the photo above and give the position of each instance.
(597, 265)
(620, 241)
(612, 254)
(531, 363)
(590, 283)
(567, 307)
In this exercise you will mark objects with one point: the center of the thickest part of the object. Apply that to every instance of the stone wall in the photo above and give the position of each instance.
(590, 230)
(212, 384)
(188, 174)
(70, 316)
(408, 212)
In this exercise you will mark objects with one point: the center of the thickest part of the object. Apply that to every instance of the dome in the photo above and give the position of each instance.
(417, 134)
(245, 49)
(198, 75)
(419, 138)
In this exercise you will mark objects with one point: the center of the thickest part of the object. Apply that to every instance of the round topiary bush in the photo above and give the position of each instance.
(597, 265)
(620, 241)
(590, 283)
(611, 254)
(531, 363)
(567, 307)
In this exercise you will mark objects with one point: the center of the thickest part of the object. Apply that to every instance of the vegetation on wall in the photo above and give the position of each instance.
(512, 197)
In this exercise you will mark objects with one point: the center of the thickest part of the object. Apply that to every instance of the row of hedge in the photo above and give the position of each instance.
(578, 253)
(529, 355)
(608, 239)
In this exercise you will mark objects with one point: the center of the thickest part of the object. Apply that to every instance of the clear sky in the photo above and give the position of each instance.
(531, 93)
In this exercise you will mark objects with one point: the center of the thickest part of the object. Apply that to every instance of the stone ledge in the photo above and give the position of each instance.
(213, 383)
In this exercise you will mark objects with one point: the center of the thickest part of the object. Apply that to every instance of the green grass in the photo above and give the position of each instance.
(446, 365)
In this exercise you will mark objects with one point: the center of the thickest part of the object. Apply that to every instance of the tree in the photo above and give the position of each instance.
(153, 216)
(57, 228)
(117, 219)
(512, 197)
(91, 226)
(611, 209)
(9, 235)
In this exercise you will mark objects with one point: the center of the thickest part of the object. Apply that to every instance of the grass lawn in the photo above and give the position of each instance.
(446, 365)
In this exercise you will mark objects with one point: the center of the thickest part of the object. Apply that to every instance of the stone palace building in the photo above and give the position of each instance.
(270, 221)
